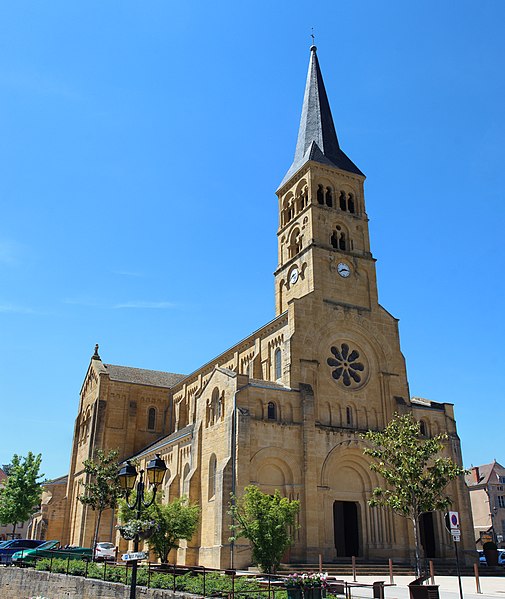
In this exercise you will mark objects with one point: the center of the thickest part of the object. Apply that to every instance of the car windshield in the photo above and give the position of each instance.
(48, 545)
(105, 545)
(7, 543)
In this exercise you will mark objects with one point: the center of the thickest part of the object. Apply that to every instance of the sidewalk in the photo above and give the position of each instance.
(491, 586)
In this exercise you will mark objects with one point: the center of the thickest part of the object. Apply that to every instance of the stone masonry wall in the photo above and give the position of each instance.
(18, 583)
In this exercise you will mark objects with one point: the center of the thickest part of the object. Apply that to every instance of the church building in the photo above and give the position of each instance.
(286, 407)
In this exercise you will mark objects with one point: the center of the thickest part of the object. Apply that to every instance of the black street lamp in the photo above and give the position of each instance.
(127, 477)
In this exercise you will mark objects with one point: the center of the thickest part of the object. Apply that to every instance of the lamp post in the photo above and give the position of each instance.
(127, 477)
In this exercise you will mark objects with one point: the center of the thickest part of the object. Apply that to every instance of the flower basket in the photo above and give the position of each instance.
(133, 528)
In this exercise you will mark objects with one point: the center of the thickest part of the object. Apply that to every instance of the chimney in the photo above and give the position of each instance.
(476, 474)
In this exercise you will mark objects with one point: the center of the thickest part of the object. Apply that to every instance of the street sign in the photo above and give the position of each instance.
(134, 555)
(452, 521)
(456, 535)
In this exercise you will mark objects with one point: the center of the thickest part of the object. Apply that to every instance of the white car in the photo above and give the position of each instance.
(105, 551)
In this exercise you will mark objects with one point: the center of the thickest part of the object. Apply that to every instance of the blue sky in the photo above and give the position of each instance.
(141, 144)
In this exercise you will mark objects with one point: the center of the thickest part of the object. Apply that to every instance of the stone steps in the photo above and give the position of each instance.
(344, 569)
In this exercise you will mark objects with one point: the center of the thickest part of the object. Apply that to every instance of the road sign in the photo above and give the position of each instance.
(452, 521)
(134, 555)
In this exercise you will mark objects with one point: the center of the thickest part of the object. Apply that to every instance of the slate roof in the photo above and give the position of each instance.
(160, 443)
(140, 376)
(485, 472)
(317, 138)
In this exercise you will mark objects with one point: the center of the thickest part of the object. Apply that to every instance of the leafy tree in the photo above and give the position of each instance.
(102, 490)
(174, 521)
(268, 521)
(415, 477)
(22, 491)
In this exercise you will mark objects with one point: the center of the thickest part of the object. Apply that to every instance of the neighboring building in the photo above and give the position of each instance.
(487, 495)
(285, 407)
(47, 523)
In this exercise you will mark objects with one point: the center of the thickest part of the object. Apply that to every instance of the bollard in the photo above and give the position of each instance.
(391, 579)
(105, 569)
(174, 585)
(432, 572)
(353, 568)
(477, 580)
(320, 563)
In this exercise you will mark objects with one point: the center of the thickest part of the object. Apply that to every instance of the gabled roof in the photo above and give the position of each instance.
(140, 376)
(484, 474)
(317, 138)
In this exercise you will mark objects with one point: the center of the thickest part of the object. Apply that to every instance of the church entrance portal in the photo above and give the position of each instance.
(427, 530)
(346, 530)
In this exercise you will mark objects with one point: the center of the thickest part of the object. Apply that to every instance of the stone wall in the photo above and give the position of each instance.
(18, 583)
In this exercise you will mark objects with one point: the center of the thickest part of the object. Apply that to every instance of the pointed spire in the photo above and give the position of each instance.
(317, 138)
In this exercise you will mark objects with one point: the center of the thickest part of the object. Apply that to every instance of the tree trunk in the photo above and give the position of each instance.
(95, 535)
(14, 529)
(415, 523)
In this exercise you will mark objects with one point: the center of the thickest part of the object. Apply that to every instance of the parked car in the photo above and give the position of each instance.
(28, 555)
(105, 551)
(501, 557)
(8, 548)
(51, 549)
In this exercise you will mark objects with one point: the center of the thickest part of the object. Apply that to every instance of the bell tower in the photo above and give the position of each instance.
(323, 240)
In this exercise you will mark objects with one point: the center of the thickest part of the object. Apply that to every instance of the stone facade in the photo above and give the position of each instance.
(284, 408)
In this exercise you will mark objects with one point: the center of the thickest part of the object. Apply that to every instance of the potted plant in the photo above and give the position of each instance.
(306, 586)
(490, 553)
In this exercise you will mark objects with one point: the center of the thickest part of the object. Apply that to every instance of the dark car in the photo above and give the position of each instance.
(10, 547)
(51, 549)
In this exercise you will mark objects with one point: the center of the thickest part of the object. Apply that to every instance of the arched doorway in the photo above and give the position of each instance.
(427, 534)
(346, 528)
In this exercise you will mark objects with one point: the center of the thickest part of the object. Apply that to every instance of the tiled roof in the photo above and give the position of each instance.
(140, 376)
(160, 443)
(268, 385)
(485, 471)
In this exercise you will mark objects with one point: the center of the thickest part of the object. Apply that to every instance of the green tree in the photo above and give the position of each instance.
(102, 490)
(416, 476)
(174, 521)
(21, 494)
(268, 521)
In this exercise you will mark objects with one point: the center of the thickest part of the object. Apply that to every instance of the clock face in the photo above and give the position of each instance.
(293, 277)
(343, 269)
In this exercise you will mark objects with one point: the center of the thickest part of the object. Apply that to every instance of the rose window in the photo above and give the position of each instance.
(345, 365)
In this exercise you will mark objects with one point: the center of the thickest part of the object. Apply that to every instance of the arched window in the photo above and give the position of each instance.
(422, 428)
(212, 476)
(329, 197)
(305, 197)
(348, 416)
(151, 419)
(343, 202)
(339, 239)
(350, 203)
(320, 194)
(271, 411)
(215, 404)
(278, 363)
(295, 243)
